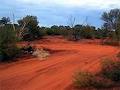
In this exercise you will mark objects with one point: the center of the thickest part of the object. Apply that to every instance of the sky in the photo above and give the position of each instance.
(58, 12)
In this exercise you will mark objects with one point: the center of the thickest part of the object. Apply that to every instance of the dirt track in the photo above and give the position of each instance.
(56, 72)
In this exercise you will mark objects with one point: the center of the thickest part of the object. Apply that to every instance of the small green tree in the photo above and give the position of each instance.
(30, 26)
(111, 70)
(88, 32)
(5, 20)
(73, 31)
(112, 22)
(8, 48)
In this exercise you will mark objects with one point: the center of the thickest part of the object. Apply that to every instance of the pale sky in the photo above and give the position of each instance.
(51, 12)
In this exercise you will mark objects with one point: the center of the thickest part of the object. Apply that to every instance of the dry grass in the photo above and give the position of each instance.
(41, 54)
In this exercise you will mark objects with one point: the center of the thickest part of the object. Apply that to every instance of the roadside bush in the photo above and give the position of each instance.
(111, 42)
(88, 32)
(9, 53)
(86, 79)
(111, 70)
(50, 32)
(101, 82)
(8, 48)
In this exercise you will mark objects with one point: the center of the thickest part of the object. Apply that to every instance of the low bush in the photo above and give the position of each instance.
(84, 79)
(107, 77)
(87, 79)
(111, 70)
(8, 47)
(50, 32)
(41, 53)
(111, 42)
(9, 53)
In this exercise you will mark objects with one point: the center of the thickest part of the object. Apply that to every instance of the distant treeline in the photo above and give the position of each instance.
(28, 29)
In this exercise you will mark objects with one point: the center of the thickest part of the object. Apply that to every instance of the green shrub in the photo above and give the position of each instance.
(50, 32)
(8, 48)
(84, 79)
(31, 28)
(10, 53)
(101, 82)
(111, 42)
(111, 70)
(87, 79)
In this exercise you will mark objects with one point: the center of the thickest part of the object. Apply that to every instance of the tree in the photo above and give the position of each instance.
(5, 20)
(29, 27)
(8, 48)
(77, 31)
(73, 33)
(88, 32)
(112, 22)
(56, 30)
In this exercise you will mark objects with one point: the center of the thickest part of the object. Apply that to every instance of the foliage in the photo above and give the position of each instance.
(30, 26)
(8, 48)
(50, 32)
(84, 79)
(88, 32)
(112, 22)
(75, 33)
(5, 20)
(106, 78)
(87, 79)
(111, 70)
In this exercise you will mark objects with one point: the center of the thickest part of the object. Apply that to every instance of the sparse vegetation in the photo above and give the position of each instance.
(111, 70)
(112, 24)
(84, 79)
(8, 48)
(87, 80)
(107, 77)
(29, 29)
(41, 54)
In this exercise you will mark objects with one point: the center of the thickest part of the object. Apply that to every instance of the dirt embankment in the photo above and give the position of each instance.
(56, 72)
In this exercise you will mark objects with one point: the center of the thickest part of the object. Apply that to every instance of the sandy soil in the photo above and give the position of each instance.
(56, 72)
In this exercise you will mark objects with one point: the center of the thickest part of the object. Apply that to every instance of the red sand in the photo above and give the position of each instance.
(56, 72)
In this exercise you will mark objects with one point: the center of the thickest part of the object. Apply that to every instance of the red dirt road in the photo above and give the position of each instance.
(56, 72)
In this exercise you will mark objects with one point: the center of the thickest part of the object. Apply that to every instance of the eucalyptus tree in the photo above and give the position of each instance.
(112, 22)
